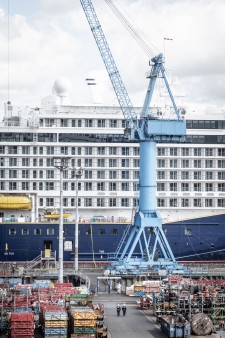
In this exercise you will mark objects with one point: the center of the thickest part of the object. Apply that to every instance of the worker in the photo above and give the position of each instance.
(124, 309)
(118, 308)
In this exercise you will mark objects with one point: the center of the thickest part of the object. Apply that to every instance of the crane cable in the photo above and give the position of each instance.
(134, 31)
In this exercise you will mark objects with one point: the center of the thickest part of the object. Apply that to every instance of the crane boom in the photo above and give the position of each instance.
(116, 80)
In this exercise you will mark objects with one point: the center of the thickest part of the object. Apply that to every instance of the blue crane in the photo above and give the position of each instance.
(146, 232)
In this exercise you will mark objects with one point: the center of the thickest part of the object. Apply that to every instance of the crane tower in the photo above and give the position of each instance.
(146, 232)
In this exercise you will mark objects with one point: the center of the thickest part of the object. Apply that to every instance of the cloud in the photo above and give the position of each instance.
(55, 40)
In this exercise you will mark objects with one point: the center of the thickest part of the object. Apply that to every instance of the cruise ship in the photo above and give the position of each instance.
(190, 181)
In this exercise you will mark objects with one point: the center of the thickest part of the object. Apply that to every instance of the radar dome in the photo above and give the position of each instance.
(61, 86)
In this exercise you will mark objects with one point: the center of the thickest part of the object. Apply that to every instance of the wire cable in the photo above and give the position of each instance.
(134, 31)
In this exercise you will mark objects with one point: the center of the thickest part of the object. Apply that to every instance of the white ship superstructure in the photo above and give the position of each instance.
(190, 176)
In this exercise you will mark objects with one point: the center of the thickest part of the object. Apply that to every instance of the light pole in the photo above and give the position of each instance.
(61, 163)
(77, 173)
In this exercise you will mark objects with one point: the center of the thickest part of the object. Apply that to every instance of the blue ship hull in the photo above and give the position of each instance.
(196, 239)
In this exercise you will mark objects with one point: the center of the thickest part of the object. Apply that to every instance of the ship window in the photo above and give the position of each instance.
(125, 175)
(124, 202)
(79, 123)
(197, 151)
(125, 151)
(173, 202)
(113, 123)
(25, 232)
(185, 202)
(160, 175)
(125, 162)
(135, 202)
(25, 150)
(101, 162)
(187, 232)
(64, 123)
(125, 186)
(185, 151)
(221, 186)
(112, 162)
(101, 123)
(50, 231)
(209, 202)
(221, 152)
(100, 186)
(88, 231)
(114, 232)
(173, 151)
(25, 185)
(88, 123)
(100, 202)
(221, 202)
(101, 232)
(112, 150)
(12, 231)
(161, 152)
(12, 150)
(88, 202)
(161, 202)
(208, 175)
(161, 163)
(208, 152)
(12, 185)
(197, 202)
(2, 149)
(112, 202)
(209, 187)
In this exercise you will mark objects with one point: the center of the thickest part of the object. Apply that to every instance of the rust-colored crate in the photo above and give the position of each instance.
(22, 332)
(22, 316)
(22, 324)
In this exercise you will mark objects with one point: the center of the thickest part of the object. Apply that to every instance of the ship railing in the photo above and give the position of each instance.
(33, 263)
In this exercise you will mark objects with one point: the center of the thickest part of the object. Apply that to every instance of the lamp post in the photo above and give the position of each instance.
(77, 173)
(61, 163)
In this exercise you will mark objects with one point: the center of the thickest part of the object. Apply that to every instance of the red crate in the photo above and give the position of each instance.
(22, 332)
(22, 316)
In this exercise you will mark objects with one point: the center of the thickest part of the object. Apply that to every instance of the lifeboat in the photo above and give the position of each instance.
(54, 214)
(15, 203)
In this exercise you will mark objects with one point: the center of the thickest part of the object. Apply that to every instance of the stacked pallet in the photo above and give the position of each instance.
(138, 289)
(80, 299)
(82, 322)
(53, 320)
(22, 325)
(151, 286)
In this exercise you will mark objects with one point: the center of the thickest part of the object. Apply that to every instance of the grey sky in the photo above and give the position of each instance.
(51, 38)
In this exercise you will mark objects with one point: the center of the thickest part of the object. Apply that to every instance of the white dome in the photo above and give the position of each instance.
(61, 86)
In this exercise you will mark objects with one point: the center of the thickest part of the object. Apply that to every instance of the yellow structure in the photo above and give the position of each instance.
(15, 203)
(54, 214)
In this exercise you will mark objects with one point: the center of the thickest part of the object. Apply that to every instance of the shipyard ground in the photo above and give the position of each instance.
(137, 322)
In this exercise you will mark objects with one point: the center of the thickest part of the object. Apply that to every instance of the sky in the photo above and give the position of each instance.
(42, 40)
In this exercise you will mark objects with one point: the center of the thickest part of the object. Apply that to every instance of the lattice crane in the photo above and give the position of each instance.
(147, 232)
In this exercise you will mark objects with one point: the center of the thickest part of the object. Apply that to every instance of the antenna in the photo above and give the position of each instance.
(8, 50)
